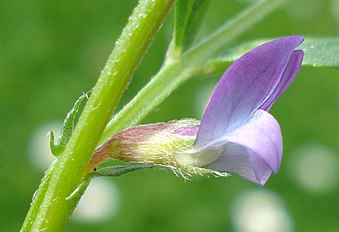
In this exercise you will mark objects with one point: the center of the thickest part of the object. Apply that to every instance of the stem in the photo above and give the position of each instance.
(231, 30)
(149, 97)
(175, 73)
(52, 206)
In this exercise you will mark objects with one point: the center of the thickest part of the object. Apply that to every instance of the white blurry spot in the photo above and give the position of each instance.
(39, 151)
(315, 168)
(99, 203)
(203, 95)
(260, 211)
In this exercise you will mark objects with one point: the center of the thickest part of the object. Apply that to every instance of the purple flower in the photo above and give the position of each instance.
(237, 134)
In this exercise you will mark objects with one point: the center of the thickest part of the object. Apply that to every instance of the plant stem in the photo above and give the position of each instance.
(52, 207)
(161, 86)
(176, 72)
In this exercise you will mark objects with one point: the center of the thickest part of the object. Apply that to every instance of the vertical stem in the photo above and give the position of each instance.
(52, 207)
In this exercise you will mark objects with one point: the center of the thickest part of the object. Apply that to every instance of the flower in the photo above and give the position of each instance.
(236, 131)
(236, 134)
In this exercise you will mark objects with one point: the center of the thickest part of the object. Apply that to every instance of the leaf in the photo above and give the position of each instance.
(67, 128)
(188, 19)
(319, 52)
(322, 52)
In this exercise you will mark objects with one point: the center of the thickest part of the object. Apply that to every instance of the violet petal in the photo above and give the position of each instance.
(290, 73)
(253, 150)
(244, 87)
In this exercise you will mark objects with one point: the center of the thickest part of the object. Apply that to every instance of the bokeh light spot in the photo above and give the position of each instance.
(260, 211)
(39, 151)
(99, 203)
(315, 168)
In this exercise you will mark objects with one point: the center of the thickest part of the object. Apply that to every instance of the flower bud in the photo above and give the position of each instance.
(153, 144)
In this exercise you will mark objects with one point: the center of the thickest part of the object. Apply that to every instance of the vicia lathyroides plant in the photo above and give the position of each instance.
(236, 134)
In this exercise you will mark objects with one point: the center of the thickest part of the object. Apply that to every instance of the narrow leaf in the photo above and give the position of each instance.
(188, 19)
(319, 52)
(67, 128)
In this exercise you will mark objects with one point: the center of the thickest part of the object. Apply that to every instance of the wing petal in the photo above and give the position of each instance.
(252, 151)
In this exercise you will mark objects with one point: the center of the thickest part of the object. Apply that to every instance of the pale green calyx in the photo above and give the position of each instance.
(158, 144)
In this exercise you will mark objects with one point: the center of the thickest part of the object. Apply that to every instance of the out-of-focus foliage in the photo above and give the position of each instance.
(52, 52)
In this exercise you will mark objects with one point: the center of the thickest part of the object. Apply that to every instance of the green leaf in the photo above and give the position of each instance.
(188, 19)
(319, 52)
(67, 128)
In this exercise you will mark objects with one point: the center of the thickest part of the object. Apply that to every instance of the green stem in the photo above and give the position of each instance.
(176, 72)
(52, 206)
(161, 86)
(231, 30)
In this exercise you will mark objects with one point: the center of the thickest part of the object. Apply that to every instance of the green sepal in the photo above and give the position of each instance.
(118, 170)
(104, 171)
(67, 128)
(188, 18)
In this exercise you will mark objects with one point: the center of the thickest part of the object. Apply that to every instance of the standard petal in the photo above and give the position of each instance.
(253, 150)
(245, 86)
(291, 71)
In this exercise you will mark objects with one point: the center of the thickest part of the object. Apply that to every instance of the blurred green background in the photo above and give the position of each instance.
(52, 51)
